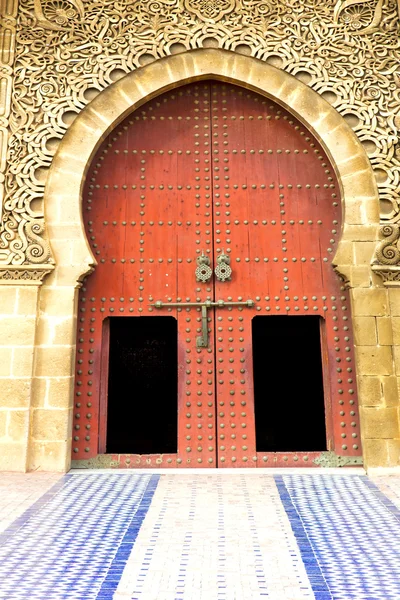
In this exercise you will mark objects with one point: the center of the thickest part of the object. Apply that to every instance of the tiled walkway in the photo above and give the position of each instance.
(201, 536)
(18, 491)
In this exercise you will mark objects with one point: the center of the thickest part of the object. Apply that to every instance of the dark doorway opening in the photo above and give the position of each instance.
(142, 414)
(288, 384)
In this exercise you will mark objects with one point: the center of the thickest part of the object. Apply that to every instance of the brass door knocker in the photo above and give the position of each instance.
(223, 270)
(203, 269)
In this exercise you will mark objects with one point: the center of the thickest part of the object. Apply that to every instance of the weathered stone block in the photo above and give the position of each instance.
(63, 250)
(364, 329)
(370, 302)
(360, 233)
(59, 331)
(39, 392)
(369, 391)
(396, 354)
(380, 423)
(361, 276)
(393, 453)
(17, 331)
(27, 300)
(374, 360)
(5, 361)
(355, 213)
(54, 361)
(13, 456)
(67, 274)
(51, 424)
(22, 365)
(363, 252)
(14, 393)
(57, 301)
(50, 456)
(3, 423)
(8, 299)
(384, 329)
(394, 301)
(61, 392)
(375, 453)
(390, 390)
(18, 424)
(395, 322)
(344, 253)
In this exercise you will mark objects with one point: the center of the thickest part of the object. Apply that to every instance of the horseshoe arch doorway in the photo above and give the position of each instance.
(214, 331)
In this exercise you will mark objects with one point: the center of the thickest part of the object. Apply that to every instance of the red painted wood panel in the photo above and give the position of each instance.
(278, 212)
(212, 167)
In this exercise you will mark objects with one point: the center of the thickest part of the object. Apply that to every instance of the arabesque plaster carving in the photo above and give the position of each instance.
(58, 54)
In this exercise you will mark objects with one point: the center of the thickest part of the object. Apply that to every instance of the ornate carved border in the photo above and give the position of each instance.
(67, 51)
(8, 22)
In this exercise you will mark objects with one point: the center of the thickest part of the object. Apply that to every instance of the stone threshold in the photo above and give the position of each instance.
(272, 471)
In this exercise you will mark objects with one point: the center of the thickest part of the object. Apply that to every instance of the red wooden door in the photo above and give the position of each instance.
(212, 168)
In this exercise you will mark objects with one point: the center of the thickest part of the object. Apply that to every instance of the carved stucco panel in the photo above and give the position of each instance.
(67, 51)
(8, 14)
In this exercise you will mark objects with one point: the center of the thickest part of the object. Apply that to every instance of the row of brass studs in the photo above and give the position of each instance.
(268, 308)
(218, 250)
(86, 437)
(229, 298)
(197, 223)
(145, 117)
(350, 382)
(232, 437)
(235, 416)
(179, 309)
(234, 151)
(319, 310)
(272, 457)
(199, 374)
(234, 186)
(199, 383)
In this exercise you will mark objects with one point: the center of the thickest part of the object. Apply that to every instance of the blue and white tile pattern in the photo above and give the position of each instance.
(218, 537)
(75, 541)
(349, 535)
(199, 536)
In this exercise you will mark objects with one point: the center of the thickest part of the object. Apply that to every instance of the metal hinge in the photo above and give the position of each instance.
(330, 459)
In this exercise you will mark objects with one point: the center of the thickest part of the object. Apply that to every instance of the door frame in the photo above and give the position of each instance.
(63, 194)
(103, 394)
(326, 385)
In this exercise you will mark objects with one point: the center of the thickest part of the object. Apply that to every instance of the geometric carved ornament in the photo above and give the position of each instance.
(56, 55)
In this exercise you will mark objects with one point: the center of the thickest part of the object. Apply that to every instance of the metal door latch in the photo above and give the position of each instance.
(202, 340)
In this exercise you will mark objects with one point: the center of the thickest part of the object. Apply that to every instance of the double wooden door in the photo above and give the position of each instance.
(213, 205)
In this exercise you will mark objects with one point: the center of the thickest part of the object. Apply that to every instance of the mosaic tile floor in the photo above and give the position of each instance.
(220, 536)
